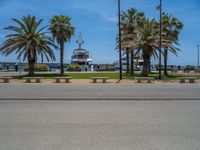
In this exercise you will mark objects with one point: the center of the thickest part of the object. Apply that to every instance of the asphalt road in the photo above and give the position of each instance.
(100, 91)
(99, 125)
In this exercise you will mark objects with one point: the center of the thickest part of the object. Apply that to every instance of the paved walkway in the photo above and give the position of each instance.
(100, 91)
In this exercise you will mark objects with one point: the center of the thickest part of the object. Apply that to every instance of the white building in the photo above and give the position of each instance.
(81, 56)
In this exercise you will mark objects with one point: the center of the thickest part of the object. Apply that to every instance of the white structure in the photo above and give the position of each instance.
(81, 56)
(138, 62)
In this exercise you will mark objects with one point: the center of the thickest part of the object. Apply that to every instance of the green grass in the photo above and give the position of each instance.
(75, 75)
(110, 75)
(169, 76)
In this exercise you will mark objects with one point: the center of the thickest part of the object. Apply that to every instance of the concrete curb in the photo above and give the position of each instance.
(102, 99)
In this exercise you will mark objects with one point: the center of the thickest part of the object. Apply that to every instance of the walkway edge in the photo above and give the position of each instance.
(103, 99)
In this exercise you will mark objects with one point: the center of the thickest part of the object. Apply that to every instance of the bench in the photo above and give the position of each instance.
(186, 71)
(190, 79)
(103, 79)
(5, 79)
(148, 79)
(174, 71)
(35, 79)
(66, 79)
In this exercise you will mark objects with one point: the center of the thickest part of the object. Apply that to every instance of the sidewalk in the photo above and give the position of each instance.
(110, 91)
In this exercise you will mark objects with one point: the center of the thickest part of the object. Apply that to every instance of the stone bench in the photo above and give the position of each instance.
(174, 71)
(103, 79)
(148, 79)
(190, 79)
(5, 79)
(33, 79)
(186, 71)
(66, 79)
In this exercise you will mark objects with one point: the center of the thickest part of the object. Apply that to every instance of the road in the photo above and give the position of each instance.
(99, 116)
(99, 125)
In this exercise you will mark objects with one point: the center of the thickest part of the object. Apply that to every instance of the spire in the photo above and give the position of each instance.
(80, 41)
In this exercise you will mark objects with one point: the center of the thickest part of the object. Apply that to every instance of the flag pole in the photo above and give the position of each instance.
(120, 47)
(160, 51)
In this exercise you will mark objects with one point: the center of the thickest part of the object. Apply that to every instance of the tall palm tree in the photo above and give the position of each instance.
(146, 39)
(62, 31)
(171, 29)
(129, 20)
(127, 27)
(28, 40)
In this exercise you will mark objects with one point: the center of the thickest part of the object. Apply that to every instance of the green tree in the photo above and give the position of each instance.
(146, 40)
(28, 40)
(171, 30)
(62, 31)
(129, 20)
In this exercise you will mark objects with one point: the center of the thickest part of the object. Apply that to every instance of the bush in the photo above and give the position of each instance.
(190, 67)
(107, 69)
(158, 66)
(75, 67)
(37, 67)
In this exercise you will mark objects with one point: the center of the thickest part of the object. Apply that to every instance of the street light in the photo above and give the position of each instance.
(120, 47)
(197, 57)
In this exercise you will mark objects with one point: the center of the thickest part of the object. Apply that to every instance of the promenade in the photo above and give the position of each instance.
(114, 91)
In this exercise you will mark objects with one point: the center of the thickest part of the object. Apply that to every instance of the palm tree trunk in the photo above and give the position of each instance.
(165, 61)
(61, 58)
(149, 65)
(31, 63)
(145, 69)
(132, 62)
(31, 67)
(127, 61)
(42, 58)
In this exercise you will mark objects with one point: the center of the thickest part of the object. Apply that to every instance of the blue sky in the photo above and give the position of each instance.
(97, 20)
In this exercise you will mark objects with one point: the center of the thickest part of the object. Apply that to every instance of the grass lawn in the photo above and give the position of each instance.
(111, 75)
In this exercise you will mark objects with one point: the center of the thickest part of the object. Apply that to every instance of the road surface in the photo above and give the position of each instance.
(99, 125)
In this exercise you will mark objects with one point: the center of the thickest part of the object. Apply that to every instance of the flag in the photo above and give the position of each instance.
(158, 7)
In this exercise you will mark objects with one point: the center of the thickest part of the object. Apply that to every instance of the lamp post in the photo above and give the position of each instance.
(119, 42)
(197, 57)
(160, 54)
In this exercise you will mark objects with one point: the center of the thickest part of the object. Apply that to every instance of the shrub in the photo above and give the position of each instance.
(190, 67)
(37, 67)
(74, 67)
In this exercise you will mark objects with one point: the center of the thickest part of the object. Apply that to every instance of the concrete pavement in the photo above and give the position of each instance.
(99, 116)
(99, 125)
(100, 91)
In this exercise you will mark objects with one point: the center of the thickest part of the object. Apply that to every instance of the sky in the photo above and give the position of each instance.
(97, 21)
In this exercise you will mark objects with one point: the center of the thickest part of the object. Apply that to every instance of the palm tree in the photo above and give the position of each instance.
(146, 39)
(171, 29)
(28, 40)
(126, 29)
(129, 20)
(62, 31)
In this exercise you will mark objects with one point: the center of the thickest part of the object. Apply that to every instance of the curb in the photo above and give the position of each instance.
(100, 99)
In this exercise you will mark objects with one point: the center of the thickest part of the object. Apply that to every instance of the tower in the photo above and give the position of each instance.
(80, 41)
